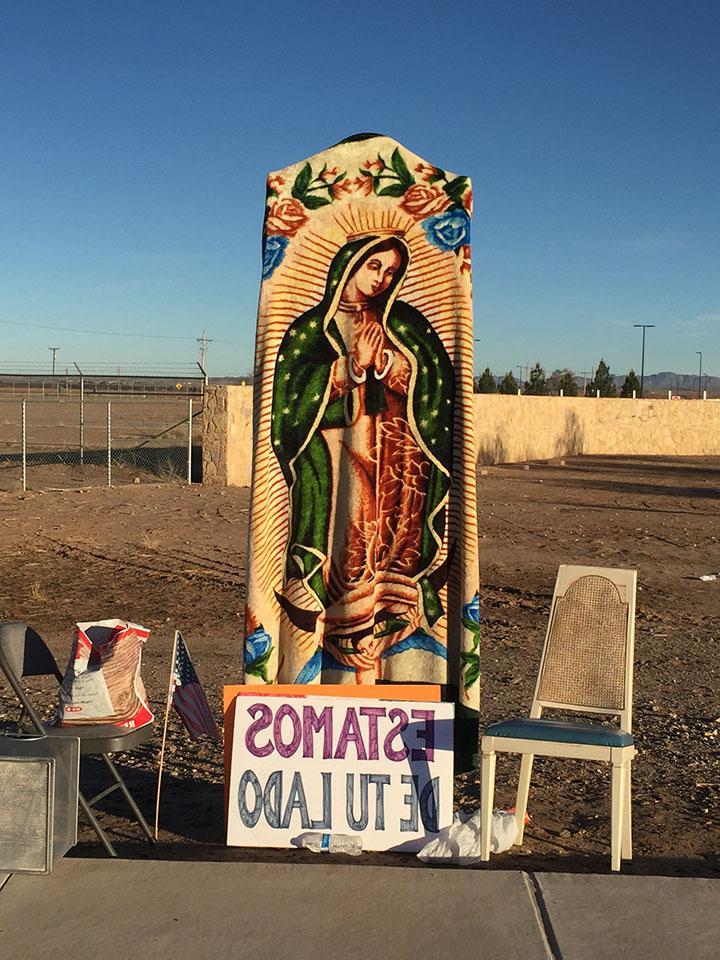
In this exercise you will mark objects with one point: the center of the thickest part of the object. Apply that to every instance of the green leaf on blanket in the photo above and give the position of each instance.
(392, 625)
(312, 203)
(258, 668)
(456, 188)
(472, 673)
(394, 190)
(400, 168)
(302, 182)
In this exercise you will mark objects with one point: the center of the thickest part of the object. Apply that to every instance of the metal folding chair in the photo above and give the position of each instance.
(23, 653)
(586, 667)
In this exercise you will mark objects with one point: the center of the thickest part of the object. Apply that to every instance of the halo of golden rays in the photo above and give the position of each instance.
(432, 284)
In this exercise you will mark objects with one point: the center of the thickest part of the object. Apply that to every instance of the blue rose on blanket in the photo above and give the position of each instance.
(449, 230)
(471, 658)
(273, 254)
(258, 648)
(471, 611)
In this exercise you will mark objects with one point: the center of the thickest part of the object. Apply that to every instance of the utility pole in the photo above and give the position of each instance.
(203, 341)
(54, 351)
(645, 326)
(699, 353)
(584, 374)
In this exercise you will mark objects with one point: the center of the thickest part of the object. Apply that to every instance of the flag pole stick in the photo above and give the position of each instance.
(168, 702)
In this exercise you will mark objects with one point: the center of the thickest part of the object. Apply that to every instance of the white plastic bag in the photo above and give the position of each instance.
(102, 682)
(460, 842)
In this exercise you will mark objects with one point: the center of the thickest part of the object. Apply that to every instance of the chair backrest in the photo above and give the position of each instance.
(587, 659)
(23, 653)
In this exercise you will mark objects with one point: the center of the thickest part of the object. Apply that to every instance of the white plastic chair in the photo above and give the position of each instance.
(586, 667)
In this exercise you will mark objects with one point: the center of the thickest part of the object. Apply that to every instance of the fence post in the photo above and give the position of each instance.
(190, 430)
(24, 446)
(109, 444)
(82, 422)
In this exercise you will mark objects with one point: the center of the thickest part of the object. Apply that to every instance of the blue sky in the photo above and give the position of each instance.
(135, 138)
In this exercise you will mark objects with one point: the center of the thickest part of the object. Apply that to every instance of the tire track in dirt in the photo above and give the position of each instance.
(193, 570)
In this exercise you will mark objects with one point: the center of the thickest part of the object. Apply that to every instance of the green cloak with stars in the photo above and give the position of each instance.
(301, 408)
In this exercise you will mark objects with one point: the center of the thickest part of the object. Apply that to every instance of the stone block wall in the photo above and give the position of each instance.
(227, 436)
(507, 429)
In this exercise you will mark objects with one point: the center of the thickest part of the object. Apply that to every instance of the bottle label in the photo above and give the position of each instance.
(325, 841)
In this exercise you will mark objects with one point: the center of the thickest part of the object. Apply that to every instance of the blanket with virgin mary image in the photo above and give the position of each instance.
(363, 562)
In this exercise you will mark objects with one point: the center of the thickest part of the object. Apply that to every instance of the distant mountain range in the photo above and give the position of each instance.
(667, 380)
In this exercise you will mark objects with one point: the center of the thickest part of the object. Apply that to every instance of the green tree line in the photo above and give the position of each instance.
(539, 384)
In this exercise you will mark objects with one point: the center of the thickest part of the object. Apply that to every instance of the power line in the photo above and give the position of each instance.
(108, 333)
(102, 368)
(99, 333)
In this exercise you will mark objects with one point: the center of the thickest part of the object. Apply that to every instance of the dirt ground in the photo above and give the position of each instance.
(170, 556)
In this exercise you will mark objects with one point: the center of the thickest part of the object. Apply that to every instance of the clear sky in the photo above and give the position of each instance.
(135, 136)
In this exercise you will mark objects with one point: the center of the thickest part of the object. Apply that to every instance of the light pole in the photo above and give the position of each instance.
(203, 341)
(645, 326)
(699, 353)
(54, 351)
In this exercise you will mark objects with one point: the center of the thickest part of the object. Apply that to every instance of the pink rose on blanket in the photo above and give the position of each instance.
(340, 188)
(285, 217)
(426, 170)
(423, 199)
(275, 182)
(363, 185)
(374, 166)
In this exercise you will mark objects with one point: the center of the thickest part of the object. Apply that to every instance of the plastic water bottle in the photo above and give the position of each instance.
(331, 843)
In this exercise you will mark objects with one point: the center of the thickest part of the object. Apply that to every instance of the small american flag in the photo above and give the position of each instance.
(189, 697)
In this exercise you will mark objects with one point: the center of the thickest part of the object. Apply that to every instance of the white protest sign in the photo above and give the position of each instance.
(382, 769)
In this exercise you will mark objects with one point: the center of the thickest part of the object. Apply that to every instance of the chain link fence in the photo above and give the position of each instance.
(65, 441)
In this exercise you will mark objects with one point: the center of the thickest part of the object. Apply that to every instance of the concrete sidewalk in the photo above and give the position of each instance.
(97, 909)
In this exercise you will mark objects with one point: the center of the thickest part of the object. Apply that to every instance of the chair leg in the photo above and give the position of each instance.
(627, 815)
(617, 818)
(129, 797)
(487, 794)
(92, 820)
(526, 765)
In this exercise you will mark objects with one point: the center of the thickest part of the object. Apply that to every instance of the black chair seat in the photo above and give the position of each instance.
(103, 737)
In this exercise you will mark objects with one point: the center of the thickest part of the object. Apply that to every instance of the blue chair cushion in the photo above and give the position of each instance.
(561, 731)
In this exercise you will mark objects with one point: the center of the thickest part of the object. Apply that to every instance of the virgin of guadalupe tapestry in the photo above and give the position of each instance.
(363, 562)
